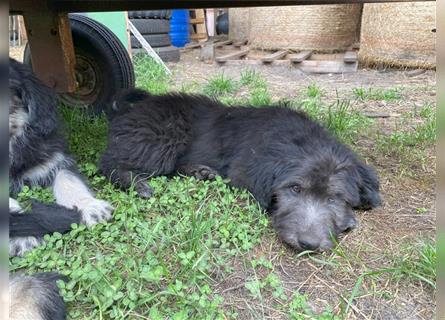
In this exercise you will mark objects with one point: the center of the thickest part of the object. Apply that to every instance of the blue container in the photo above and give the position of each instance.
(179, 27)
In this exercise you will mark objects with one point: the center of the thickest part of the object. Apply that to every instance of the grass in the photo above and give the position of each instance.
(166, 257)
(220, 85)
(410, 139)
(377, 94)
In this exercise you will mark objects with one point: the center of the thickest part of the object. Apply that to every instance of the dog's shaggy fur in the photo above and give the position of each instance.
(38, 157)
(308, 181)
(38, 153)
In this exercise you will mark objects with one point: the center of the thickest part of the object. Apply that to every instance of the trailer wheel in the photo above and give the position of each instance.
(102, 66)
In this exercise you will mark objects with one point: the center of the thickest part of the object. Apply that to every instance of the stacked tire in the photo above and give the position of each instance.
(154, 25)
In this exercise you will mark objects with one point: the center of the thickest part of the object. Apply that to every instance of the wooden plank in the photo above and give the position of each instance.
(320, 66)
(51, 46)
(307, 66)
(196, 20)
(193, 45)
(300, 57)
(350, 57)
(223, 43)
(239, 44)
(198, 36)
(274, 56)
(231, 56)
(201, 27)
(130, 5)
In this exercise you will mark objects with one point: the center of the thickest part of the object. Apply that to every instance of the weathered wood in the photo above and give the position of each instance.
(274, 56)
(51, 46)
(233, 55)
(321, 66)
(350, 57)
(197, 20)
(193, 45)
(223, 43)
(307, 66)
(239, 44)
(121, 5)
(300, 57)
(198, 36)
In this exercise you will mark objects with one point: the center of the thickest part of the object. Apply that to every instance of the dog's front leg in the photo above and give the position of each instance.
(18, 246)
(70, 191)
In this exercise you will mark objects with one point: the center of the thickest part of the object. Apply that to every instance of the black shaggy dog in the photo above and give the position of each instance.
(307, 180)
(38, 157)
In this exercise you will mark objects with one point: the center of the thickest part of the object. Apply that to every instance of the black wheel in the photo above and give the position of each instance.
(151, 26)
(155, 40)
(167, 54)
(222, 24)
(103, 65)
(156, 14)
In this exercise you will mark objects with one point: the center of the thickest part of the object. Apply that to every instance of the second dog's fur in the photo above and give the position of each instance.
(308, 181)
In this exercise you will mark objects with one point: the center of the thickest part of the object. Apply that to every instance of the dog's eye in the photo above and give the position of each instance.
(296, 188)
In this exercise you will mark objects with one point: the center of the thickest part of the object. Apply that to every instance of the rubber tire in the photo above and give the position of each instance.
(167, 54)
(98, 44)
(155, 40)
(151, 26)
(153, 14)
(222, 24)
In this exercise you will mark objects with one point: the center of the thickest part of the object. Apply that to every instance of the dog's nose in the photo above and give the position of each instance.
(308, 244)
(351, 224)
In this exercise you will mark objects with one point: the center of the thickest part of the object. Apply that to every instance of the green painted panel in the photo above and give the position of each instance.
(115, 21)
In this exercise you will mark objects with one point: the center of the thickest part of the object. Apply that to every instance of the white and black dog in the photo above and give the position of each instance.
(307, 180)
(38, 157)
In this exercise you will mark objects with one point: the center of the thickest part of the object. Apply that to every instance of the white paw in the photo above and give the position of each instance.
(14, 205)
(95, 211)
(18, 246)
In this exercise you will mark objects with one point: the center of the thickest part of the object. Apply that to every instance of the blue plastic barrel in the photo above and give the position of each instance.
(179, 27)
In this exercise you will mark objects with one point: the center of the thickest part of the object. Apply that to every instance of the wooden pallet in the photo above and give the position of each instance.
(346, 63)
(199, 23)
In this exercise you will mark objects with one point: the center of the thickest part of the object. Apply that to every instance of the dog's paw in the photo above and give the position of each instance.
(18, 246)
(95, 211)
(143, 189)
(201, 172)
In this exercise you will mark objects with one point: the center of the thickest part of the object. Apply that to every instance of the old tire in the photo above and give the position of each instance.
(167, 54)
(153, 14)
(155, 40)
(151, 26)
(103, 65)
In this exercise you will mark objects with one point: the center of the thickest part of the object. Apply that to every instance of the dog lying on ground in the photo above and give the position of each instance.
(307, 180)
(38, 157)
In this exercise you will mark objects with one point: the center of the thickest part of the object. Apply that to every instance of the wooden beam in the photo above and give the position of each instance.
(274, 56)
(230, 56)
(223, 43)
(51, 46)
(300, 57)
(239, 44)
(121, 5)
(196, 20)
(198, 36)
(327, 66)
(350, 57)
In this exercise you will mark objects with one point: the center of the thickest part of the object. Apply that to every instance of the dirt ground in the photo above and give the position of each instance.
(382, 232)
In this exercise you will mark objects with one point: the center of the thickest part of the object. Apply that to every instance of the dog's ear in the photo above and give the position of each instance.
(368, 187)
(261, 186)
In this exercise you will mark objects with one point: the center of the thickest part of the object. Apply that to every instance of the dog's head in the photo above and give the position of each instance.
(312, 202)
(32, 105)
